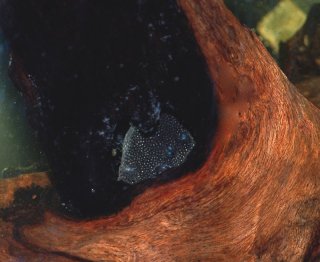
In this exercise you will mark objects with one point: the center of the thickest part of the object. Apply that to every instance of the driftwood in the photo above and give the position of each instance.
(257, 198)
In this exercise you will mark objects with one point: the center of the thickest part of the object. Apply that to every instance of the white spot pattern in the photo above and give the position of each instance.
(147, 157)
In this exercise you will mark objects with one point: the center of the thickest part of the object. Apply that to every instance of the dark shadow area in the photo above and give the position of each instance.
(90, 70)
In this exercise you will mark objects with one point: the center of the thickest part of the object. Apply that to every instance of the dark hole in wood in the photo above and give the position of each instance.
(95, 68)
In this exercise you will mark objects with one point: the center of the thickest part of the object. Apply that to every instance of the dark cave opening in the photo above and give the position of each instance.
(96, 68)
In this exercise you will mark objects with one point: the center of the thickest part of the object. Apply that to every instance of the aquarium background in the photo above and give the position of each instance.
(18, 145)
(277, 23)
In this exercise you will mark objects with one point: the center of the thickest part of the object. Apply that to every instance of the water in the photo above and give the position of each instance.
(18, 146)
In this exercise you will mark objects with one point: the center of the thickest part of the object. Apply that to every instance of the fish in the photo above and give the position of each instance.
(146, 157)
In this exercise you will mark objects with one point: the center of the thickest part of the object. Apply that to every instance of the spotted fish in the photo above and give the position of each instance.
(146, 157)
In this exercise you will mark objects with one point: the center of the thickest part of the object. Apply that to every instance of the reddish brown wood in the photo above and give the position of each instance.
(257, 198)
(9, 186)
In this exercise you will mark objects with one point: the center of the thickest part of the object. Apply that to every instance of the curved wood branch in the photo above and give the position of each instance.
(256, 198)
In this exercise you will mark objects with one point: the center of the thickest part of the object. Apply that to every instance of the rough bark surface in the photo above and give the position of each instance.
(257, 198)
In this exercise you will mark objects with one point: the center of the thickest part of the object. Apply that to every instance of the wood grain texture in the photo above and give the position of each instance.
(257, 198)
